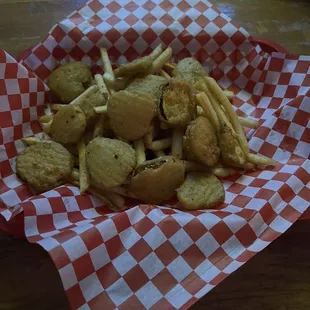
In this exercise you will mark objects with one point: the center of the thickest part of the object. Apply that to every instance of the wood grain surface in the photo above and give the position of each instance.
(278, 278)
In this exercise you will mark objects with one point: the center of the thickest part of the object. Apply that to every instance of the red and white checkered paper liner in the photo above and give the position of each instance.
(152, 257)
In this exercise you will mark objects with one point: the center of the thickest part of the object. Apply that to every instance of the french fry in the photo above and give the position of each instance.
(140, 151)
(87, 92)
(122, 191)
(84, 175)
(31, 140)
(249, 123)
(208, 110)
(161, 60)
(245, 166)
(199, 111)
(75, 175)
(47, 127)
(101, 109)
(161, 145)
(107, 67)
(164, 74)
(159, 153)
(222, 172)
(121, 83)
(148, 138)
(48, 110)
(218, 93)
(169, 67)
(219, 110)
(75, 183)
(229, 94)
(57, 106)
(101, 86)
(46, 118)
(260, 160)
(156, 52)
(114, 200)
(99, 126)
(177, 142)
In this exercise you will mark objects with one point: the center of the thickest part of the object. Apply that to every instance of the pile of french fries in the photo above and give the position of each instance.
(211, 102)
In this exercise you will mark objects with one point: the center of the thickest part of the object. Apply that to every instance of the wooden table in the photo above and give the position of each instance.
(277, 279)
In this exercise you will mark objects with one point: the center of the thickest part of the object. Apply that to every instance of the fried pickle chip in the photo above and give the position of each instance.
(44, 165)
(150, 84)
(201, 191)
(189, 69)
(70, 80)
(201, 143)
(109, 161)
(156, 180)
(131, 114)
(140, 65)
(90, 102)
(231, 151)
(177, 106)
(68, 125)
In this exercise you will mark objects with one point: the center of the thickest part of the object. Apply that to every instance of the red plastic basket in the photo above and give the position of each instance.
(16, 225)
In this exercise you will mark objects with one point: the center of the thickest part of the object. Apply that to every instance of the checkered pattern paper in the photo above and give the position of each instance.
(156, 257)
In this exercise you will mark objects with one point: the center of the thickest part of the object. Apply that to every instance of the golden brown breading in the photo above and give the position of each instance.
(231, 151)
(70, 80)
(189, 69)
(200, 191)
(177, 106)
(200, 142)
(90, 102)
(109, 161)
(150, 84)
(140, 65)
(131, 114)
(44, 165)
(68, 125)
(155, 181)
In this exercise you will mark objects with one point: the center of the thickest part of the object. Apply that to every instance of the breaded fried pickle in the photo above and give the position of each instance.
(90, 102)
(150, 84)
(68, 125)
(131, 114)
(177, 106)
(201, 190)
(44, 165)
(189, 69)
(70, 80)
(156, 180)
(200, 142)
(231, 151)
(109, 161)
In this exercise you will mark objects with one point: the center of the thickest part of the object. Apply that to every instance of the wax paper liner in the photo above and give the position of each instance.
(155, 257)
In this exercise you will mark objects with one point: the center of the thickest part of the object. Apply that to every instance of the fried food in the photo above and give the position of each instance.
(231, 152)
(189, 69)
(70, 80)
(44, 165)
(109, 161)
(200, 142)
(91, 101)
(201, 191)
(150, 84)
(155, 181)
(68, 125)
(177, 106)
(140, 65)
(131, 114)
